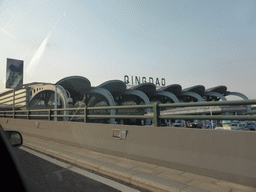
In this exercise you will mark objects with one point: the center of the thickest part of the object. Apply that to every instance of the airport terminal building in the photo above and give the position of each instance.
(76, 91)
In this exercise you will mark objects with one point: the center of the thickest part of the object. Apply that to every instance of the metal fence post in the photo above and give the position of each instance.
(156, 112)
(85, 114)
(50, 113)
(28, 113)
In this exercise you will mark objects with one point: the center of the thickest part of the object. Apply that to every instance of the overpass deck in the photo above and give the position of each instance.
(145, 175)
(220, 154)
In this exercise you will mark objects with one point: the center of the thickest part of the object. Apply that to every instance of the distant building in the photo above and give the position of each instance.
(76, 91)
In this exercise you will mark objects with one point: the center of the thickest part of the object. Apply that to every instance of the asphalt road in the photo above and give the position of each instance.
(43, 175)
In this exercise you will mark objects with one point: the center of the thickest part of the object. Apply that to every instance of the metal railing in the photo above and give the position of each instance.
(83, 113)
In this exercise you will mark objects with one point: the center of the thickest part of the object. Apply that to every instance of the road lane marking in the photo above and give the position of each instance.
(90, 175)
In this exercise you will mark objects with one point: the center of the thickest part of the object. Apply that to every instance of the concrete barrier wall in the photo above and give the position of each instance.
(222, 154)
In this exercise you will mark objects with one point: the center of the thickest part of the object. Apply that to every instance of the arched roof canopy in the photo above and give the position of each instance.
(44, 92)
(142, 96)
(199, 89)
(218, 89)
(36, 91)
(99, 93)
(244, 97)
(77, 86)
(147, 88)
(27, 85)
(115, 87)
(188, 96)
(174, 88)
(214, 96)
(169, 95)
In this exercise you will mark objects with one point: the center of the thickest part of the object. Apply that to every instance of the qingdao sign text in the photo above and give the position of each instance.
(137, 80)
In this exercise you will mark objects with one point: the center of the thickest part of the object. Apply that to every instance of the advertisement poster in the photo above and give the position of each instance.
(14, 74)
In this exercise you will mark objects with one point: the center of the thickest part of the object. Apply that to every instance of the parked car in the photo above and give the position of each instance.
(177, 123)
(210, 125)
(196, 124)
(249, 128)
(237, 126)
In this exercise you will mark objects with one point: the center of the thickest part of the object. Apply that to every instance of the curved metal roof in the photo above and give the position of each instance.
(147, 88)
(114, 86)
(75, 84)
(34, 84)
(218, 89)
(199, 89)
(174, 88)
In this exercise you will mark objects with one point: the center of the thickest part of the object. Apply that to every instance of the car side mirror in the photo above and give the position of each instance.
(14, 138)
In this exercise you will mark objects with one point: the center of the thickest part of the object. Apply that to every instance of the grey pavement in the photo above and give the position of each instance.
(50, 174)
(145, 175)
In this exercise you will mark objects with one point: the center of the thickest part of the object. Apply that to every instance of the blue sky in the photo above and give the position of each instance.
(186, 42)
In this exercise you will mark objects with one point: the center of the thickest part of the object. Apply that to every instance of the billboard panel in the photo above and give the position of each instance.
(14, 74)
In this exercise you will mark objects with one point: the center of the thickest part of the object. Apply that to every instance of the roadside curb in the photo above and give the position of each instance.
(147, 176)
(143, 180)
